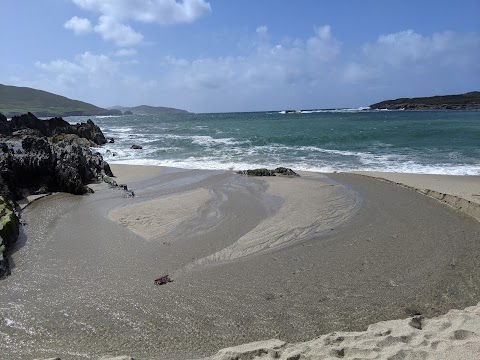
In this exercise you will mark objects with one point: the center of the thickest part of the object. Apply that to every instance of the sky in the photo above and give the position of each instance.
(241, 55)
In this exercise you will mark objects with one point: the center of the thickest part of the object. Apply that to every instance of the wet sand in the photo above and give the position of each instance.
(251, 259)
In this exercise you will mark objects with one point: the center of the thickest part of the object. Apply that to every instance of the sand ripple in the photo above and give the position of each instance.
(155, 218)
(310, 208)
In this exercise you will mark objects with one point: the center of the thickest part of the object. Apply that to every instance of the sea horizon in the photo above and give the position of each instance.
(327, 140)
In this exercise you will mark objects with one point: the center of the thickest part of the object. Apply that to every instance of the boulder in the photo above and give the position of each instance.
(91, 131)
(136, 147)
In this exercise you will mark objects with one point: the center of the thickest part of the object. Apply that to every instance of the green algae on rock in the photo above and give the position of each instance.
(9, 230)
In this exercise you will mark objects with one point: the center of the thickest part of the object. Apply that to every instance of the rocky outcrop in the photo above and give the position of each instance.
(31, 124)
(41, 156)
(36, 165)
(266, 172)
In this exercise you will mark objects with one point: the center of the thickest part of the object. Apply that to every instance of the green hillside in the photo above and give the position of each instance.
(465, 101)
(20, 100)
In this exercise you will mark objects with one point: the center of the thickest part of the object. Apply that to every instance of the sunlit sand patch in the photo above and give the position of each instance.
(155, 218)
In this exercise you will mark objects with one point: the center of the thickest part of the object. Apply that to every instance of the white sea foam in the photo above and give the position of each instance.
(105, 116)
(346, 110)
(120, 129)
(213, 163)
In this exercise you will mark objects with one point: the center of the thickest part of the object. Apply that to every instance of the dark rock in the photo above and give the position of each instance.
(4, 125)
(63, 162)
(113, 184)
(51, 127)
(286, 171)
(165, 279)
(417, 322)
(257, 172)
(136, 147)
(266, 172)
(111, 140)
(91, 131)
(72, 139)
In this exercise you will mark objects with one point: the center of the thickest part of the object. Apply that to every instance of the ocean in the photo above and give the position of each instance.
(429, 142)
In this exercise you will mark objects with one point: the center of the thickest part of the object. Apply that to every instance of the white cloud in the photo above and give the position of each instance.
(126, 52)
(78, 25)
(114, 14)
(293, 63)
(159, 11)
(262, 30)
(265, 76)
(355, 73)
(323, 45)
(120, 34)
(98, 70)
(408, 48)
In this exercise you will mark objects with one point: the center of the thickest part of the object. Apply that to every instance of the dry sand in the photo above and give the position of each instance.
(453, 336)
(252, 259)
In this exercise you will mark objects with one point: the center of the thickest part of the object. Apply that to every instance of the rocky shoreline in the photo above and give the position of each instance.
(43, 156)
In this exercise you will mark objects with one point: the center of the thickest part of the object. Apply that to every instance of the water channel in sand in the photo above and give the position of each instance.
(290, 258)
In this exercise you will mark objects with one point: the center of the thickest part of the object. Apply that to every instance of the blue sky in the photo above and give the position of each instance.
(242, 55)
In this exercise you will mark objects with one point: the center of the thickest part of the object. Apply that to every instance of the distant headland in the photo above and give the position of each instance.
(467, 101)
(16, 100)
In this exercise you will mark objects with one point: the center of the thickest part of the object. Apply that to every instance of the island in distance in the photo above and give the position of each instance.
(148, 110)
(16, 100)
(467, 101)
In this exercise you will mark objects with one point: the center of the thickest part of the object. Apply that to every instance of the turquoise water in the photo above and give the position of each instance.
(437, 142)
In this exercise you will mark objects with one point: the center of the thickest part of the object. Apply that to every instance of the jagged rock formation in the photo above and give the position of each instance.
(41, 156)
(35, 164)
(29, 123)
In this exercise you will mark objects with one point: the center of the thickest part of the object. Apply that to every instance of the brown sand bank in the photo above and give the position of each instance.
(251, 259)
(459, 192)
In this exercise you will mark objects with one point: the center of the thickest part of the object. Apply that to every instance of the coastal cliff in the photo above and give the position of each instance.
(42, 156)
(467, 101)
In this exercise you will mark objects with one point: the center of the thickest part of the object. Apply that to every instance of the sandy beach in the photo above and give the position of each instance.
(287, 258)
